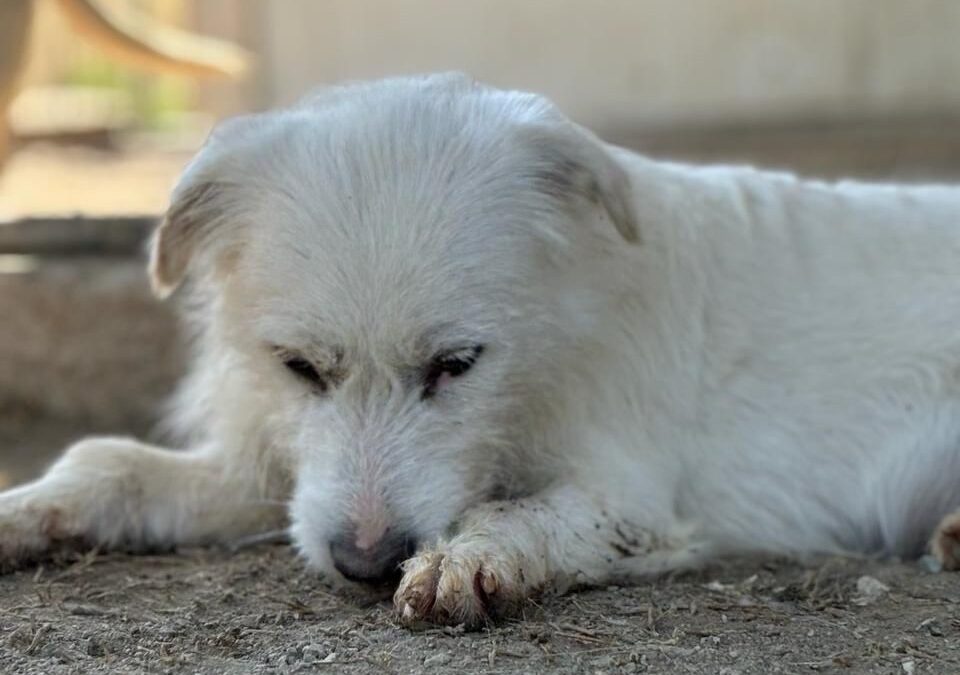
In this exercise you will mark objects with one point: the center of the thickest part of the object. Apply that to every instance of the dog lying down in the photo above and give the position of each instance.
(466, 350)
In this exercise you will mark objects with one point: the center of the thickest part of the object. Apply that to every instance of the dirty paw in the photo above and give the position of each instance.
(32, 531)
(21, 545)
(945, 544)
(453, 588)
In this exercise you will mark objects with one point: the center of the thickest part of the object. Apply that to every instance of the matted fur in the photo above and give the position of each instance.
(669, 363)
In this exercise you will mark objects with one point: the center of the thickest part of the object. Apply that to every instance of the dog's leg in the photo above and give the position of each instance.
(509, 551)
(945, 544)
(116, 492)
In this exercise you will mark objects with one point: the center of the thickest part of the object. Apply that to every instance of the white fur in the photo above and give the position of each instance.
(679, 363)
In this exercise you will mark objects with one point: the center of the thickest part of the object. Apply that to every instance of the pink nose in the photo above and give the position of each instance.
(369, 536)
(375, 564)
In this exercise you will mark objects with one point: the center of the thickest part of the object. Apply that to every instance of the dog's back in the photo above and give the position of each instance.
(823, 322)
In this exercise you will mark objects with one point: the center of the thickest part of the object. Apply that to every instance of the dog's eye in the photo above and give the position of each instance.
(305, 370)
(447, 366)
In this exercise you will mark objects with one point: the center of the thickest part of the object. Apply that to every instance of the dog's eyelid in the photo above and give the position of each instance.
(469, 352)
(452, 363)
(324, 359)
(282, 353)
(303, 367)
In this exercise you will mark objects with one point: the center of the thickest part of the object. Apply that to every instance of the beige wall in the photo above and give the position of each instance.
(617, 63)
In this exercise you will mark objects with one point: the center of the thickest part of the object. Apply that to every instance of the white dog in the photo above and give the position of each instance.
(444, 330)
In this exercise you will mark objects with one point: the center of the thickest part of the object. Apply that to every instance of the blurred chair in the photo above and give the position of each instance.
(142, 43)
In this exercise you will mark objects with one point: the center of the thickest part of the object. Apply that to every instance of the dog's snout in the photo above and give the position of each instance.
(378, 564)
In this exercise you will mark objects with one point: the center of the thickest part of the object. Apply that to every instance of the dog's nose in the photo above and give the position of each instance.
(378, 564)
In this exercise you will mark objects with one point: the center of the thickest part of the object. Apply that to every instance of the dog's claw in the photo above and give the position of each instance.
(448, 589)
(945, 544)
(407, 614)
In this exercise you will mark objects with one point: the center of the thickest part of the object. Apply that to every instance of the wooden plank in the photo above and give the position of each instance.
(76, 235)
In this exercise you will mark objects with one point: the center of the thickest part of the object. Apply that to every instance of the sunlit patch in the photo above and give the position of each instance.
(15, 263)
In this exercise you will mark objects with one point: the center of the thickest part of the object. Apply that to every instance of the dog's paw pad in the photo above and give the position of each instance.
(945, 544)
(449, 589)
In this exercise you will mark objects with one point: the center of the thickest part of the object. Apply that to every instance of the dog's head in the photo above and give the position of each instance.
(402, 272)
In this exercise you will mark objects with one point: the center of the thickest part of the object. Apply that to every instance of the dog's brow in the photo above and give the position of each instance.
(322, 355)
(445, 337)
(327, 355)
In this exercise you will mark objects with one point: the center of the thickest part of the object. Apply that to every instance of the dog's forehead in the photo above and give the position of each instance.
(401, 298)
(399, 159)
(404, 222)
(397, 287)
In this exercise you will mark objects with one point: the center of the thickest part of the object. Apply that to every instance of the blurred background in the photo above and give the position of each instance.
(102, 102)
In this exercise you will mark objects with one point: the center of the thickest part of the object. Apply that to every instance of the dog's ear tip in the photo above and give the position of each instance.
(161, 282)
(161, 289)
(628, 231)
(618, 197)
(631, 234)
(169, 255)
(162, 292)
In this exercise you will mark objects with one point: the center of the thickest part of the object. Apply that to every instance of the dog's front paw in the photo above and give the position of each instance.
(25, 536)
(453, 587)
(945, 544)
(34, 527)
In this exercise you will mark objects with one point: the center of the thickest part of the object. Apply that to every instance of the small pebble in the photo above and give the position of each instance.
(311, 654)
(438, 659)
(869, 590)
(933, 627)
(93, 647)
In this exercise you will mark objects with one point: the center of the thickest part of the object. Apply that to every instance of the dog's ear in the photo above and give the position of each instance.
(202, 206)
(574, 164)
(193, 215)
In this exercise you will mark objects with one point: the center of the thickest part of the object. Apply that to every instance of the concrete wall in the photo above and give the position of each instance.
(616, 64)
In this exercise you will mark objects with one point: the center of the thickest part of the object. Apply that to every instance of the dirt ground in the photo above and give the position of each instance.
(259, 610)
